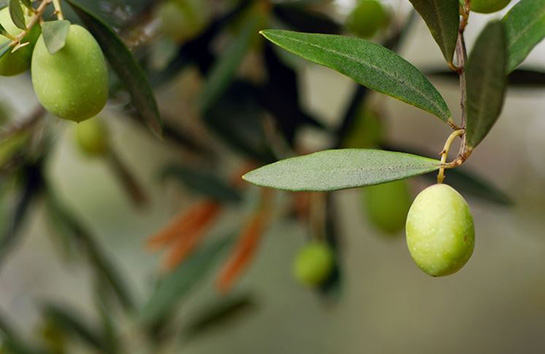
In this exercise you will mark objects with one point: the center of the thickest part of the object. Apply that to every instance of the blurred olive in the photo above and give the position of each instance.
(314, 264)
(367, 18)
(387, 205)
(92, 137)
(487, 6)
(182, 20)
(367, 132)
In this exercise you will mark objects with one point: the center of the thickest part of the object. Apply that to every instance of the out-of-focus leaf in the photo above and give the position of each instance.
(486, 82)
(305, 20)
(126, 67)
(55, 34)
(12, 341)
(17, 14)
(128, 180)
(332, 170)
(368, 64)
(465, 181)
(224, 69)
(30, 191)
(443, 20)
(73, 324)
(218, 314)
(237, 118)
(4, 48)
(333, 285)
(525, 28)
(203, 183)
(102, 265)
(280, 96)
(177, 285)
(27, 3)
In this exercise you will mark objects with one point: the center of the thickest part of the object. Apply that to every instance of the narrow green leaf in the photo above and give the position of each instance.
(219, 314)
(340, 169)
(5, 48)
(72, 323)
(368, 64)
(3, 31)
(225, 67)
(126, 67)
(203, 183)
(486, 73)
(175, 286)
(525, 27)
(16, 13)
(443, 20)
(55, 34)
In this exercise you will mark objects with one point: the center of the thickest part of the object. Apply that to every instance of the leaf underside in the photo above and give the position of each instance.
(340, 169)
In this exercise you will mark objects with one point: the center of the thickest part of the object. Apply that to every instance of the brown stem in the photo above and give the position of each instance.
(128, 180)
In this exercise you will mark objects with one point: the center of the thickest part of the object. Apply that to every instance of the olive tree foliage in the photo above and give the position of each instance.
(81, 54)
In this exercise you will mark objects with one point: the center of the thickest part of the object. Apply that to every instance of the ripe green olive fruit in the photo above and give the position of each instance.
(16, 63)
(488, 6)
(440, 231)
(387, 205)
(314, 264)
(182, 20)
(72, 83)
(92, 137)
(367, 18)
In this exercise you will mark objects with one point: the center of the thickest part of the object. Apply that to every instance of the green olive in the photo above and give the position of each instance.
(367, 131)
(367, 18)
(182, 20)
(314, 264)
(488, 6)
(72, 83)
(18, 62)
(387, 205)
(440, 231)
(92, 137)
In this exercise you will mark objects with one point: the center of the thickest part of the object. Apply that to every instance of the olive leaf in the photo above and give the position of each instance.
(27, 3)
(16, 13)
(55, 34)
(486, 73)
(443, 20)
(368, 64)
(525, 27)
(225, 67)
(175, 286)
(340, 169)
(202, 182)
(126, 67)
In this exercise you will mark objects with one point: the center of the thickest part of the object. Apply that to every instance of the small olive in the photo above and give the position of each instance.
(92, 137)
(387, 205)
(367, 18)
(16, 63)
(314, 264)
(488, 6)
(182, 20)
(72, 83)
(440, 231)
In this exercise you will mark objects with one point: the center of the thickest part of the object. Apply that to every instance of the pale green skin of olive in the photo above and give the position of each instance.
(16, 63)
(314, 264)
(387, 206)
(367, 18)
(182, 20)
(440, 231)
(487, 6)
(92, 137)
(72, 83)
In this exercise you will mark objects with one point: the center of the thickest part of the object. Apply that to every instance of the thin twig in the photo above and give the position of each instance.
(26, 124)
